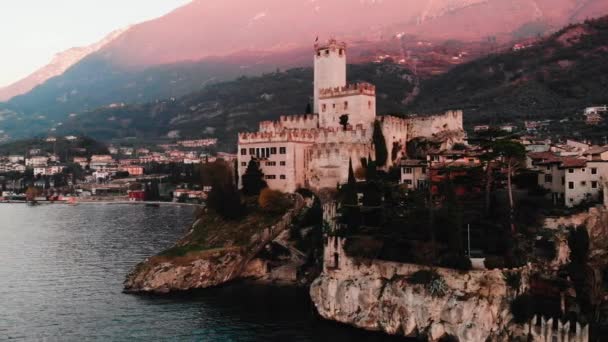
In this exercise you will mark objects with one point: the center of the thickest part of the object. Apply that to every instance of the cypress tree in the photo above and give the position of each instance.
(351, 173)
(379, 144)
(253, 179)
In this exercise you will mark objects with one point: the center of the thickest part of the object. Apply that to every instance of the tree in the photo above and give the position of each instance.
(226, 201)
(379, 144)
(308, 108)
(253, 179)
(344, 121)
(511, 154)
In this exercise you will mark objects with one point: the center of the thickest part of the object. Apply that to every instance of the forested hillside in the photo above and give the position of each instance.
(557, 77)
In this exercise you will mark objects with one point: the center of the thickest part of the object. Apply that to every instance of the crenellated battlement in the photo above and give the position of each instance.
(285, 135)
(335, 151)
(348, 90)
(394, 122)
(357, 134)
(304, 121)
(330, 45)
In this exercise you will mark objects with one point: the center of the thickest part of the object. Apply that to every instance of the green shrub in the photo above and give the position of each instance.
(438, 287)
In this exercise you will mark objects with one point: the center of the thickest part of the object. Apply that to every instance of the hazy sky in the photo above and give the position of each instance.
(32, 31)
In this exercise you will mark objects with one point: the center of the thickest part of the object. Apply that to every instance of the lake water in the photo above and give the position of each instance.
(61, 274)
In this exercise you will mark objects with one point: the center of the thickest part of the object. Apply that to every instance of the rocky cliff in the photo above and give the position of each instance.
(384, 296)
(219, 259)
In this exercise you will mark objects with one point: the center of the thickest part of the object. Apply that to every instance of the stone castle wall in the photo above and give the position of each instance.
(431, 125)
(327, 164)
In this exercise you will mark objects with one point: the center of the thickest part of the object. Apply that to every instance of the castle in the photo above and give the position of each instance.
(313, 150)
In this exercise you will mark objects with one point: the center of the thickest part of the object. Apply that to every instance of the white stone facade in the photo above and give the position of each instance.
(313, 151)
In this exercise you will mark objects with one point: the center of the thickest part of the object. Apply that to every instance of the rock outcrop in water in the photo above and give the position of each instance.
(381, 296)
(196, 268)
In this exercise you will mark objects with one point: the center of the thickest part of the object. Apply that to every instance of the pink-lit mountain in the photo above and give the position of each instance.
(270, 32)
(219, 27)
(60, 63)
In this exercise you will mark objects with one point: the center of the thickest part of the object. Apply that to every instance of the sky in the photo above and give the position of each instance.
(33, 31)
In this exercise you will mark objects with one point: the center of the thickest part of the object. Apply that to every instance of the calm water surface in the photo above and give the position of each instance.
(61, 274)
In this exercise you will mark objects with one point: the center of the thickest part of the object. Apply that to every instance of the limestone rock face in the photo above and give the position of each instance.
(178, 275)
(379, 297)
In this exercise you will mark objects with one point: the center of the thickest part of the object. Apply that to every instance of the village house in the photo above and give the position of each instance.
(82, 161)
(593, 115)
(571, 180)
(36, 161)
(313, 150)
(48, 170)
(133, 170)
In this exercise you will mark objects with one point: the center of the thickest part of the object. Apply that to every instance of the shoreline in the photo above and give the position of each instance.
(107, 203)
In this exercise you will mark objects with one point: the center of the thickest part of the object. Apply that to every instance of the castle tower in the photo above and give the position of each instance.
(330, 68)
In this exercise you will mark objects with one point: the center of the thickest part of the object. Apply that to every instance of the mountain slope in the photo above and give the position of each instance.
(214, 40)
(221, 110)
(60, 63)
(218, 27)
(558, 77)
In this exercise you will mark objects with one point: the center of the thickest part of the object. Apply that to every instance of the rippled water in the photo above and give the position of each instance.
(61, 274)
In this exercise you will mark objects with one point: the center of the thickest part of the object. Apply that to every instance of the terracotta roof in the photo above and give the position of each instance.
(413, 162)
(545, 157)
(573, 163)
(596, 150)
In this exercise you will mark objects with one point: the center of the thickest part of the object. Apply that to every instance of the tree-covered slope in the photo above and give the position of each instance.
(557, 77)
(221, 110)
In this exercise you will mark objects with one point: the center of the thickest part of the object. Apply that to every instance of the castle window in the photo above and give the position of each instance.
(570, 170)
(593, 171)
(324, 107)
(570, 185)
(341, 52)
(244, 164)
(408, 170)
(334, 105)
(283, 150)
(283, 163)
(594, 184)
(548, 178)
(326, 52)
(319, 53)
(283, 177)
(271, 163)
(273, 150)
(243, 151)
(369, 104)
(408, 182)
(251, 151)
(270, 177)
(345, 104)
(583, 183)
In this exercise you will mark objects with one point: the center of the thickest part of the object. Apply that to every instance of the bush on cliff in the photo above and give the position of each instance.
(273, 201)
